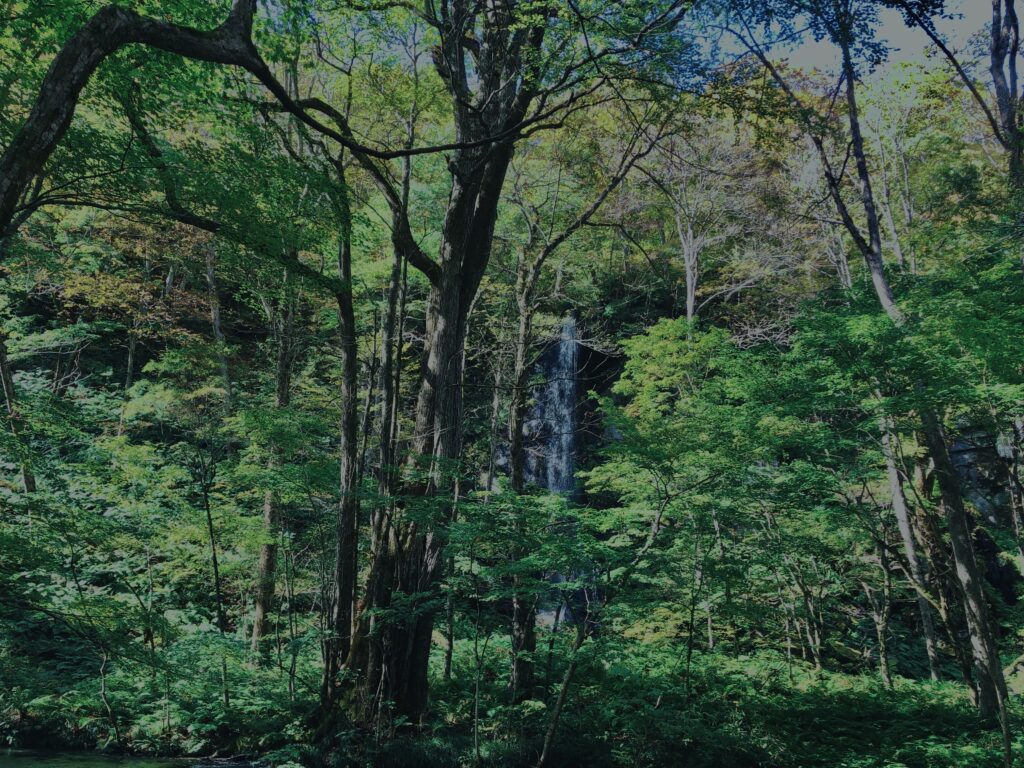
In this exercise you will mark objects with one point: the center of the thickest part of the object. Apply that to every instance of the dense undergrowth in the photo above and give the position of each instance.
(749, 712)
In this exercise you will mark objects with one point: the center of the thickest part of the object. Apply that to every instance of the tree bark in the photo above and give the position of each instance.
(873, 252)
(890, 220)
(914, 563)
(881, 610)
(1003, 52)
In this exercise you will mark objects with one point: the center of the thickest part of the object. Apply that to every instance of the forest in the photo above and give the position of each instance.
(522, 383)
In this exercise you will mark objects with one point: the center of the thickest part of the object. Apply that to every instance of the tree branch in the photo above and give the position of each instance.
(933, 35)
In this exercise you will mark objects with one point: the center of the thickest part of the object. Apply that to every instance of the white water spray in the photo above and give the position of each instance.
(560, 398)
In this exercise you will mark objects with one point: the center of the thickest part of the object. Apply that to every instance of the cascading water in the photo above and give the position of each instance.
(551, 428)
(560, 411)
(551, 461)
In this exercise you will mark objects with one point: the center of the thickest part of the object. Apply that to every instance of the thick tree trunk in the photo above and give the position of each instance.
(1004, 48)
(408, 566)
(404, 663)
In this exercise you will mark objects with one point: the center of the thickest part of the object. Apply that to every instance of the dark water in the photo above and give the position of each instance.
(31, 759)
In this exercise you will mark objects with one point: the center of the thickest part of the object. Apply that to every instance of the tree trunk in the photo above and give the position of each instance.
(342, 608)
(991, 685)
(215, 322)
(524, 644)
(1004, 47)
(207, 473)
(409, 563)
(837, 255)
(872, 253)
(1012, 467)
(890, 220)
(917, 569)
(943, 582)
(563, 693)
(266, 571)
(881, 609)
(383, 543)
(988, 670)
(691, 264)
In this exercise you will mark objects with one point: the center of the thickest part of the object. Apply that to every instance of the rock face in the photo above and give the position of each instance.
(981, 461)
(985, 465)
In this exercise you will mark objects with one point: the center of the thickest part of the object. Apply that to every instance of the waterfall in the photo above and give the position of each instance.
(550, 430)
(551, 462)
(560, 398)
